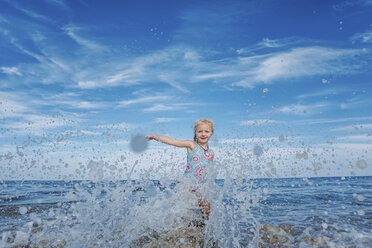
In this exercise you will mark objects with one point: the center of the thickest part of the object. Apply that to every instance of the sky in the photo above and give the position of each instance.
(287, 83)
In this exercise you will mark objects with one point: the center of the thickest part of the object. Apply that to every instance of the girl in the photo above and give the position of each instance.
(198, 155)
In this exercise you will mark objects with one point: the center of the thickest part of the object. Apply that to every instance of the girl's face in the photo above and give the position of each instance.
(203, 133)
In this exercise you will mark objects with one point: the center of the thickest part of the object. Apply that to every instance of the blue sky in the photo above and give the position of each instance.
(84, 76)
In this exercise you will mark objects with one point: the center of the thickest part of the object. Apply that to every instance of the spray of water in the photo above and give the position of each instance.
(121, 205)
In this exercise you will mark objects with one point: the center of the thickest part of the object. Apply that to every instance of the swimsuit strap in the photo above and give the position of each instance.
(197, 144)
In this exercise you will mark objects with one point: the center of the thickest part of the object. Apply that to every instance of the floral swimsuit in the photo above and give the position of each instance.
(197, 160)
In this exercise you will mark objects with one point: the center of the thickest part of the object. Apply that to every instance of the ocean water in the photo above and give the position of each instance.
(291, 212)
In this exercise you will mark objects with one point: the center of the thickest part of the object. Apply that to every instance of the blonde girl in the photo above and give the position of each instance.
(199, 155)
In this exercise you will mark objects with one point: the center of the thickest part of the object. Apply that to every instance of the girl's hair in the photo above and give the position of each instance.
(205, 121)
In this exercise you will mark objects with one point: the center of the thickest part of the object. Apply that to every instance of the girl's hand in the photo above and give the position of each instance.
(152, 137)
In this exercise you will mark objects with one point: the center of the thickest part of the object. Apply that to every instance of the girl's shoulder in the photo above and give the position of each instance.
(193, 145)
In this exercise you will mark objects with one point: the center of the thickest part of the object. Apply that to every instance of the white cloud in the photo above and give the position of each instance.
(354, 138)
(266, 68)
(351, 3)
(72, 32)
(144, 99)
(325, 93)
(256, 122)
(270, 43)
(10, 70)
(60, 3)
(178, 66)
(356, 127)
(171, 79)
(164, 119)
(168, 107)
(37, 124)
(355, 103)
(88, 105)
(33, 14)
(327, 121)
(89, 84)
(127, 77)
(12, 106)
(299, 109)
(365, 37)
(170, 66)
(160, 107)
(305, 61)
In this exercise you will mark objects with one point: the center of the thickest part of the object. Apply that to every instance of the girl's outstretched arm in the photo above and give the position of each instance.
(170, 141)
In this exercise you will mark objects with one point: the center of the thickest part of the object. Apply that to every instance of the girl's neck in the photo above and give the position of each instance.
(204, 146)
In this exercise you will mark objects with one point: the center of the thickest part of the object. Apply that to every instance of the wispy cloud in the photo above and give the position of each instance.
(351, 3)
(277, 66)
(38, 124)
(73, 32)
(166, 119)
(33, 14)
(10, 70)
(69, 100)
(167, 107)
(300, 62)
(355, 102)
(356, 127)
(144, 99)
(365, 37)
(177, 66)
(23, 114)
(83, 104)
(323, 93)
(12, 106)
(299, 109)
(336, 120)
(172, 66)
(60, 3)
(354, 138)
(266, 43)
(256, 122)
(160, 107)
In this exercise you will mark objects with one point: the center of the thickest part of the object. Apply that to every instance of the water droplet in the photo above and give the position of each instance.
(23, 210)
(361, 212)
(317, 166)
(361, 164)
(325, 81)
(138, 143)
(257, 150)
(361, 197)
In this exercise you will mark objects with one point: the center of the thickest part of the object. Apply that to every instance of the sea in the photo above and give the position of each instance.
(275, 212)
